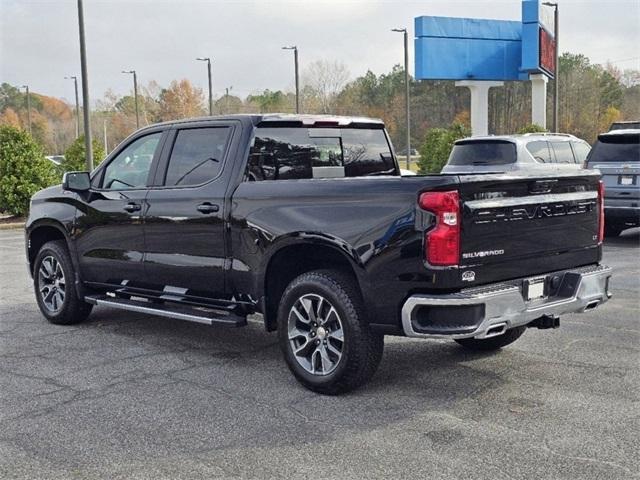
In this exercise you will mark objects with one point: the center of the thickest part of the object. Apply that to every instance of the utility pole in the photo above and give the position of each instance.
(75, 84)
(85, 90)
(556, 73)
(104, 131)
(227, 99)
(208, 60)
(26, 87)
(297, 76)
(406, 92)
(135, 94)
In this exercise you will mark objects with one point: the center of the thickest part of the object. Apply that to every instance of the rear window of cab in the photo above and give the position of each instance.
(292, 153)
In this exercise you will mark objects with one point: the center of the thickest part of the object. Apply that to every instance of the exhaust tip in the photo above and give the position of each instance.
(592, 305)
(495, 330)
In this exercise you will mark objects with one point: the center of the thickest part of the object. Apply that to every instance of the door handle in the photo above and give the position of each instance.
(132, 207)
(207, 207)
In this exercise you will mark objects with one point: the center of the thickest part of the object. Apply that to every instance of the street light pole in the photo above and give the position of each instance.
(295, 61)
(208, 60)
(406, 91)
(104, 131)
(75, 84)
(227, 98)
(26, 87)
(556, 74)
(135, 94)
(85, 90)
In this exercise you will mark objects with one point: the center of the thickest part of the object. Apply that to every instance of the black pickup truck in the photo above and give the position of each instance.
(307, 221)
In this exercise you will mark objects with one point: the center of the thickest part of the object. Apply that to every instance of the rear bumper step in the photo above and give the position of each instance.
(191, 314)
(490, 310)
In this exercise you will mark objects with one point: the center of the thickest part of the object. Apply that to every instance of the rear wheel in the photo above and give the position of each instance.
(323, 334)
(53, 282)
(493, 343)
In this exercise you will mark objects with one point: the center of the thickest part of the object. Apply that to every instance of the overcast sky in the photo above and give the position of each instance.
(160, 39)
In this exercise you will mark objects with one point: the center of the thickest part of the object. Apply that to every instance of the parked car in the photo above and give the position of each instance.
(306, 220)
(625, 125)
(413, 152)
(505, 153)
(616, 155)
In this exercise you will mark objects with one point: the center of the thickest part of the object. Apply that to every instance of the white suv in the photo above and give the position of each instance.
(504, 153)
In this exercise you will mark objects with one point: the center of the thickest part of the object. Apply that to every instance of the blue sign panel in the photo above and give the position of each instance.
(467, 49)
(450, 48)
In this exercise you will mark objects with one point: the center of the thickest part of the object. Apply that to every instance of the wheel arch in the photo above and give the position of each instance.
(41, 232)
(299, 254)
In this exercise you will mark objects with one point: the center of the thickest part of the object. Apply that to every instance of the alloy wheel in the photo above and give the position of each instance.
(315, 334)
(51, 284)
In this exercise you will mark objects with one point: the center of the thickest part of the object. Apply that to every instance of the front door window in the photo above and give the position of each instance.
(130, 169)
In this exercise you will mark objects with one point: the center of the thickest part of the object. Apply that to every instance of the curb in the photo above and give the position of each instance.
(11, 226)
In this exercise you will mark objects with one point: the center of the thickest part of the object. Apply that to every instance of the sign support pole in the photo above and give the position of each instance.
(479, 104)
(539, 99)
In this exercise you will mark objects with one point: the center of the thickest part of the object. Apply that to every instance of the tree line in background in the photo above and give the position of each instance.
(591, 97)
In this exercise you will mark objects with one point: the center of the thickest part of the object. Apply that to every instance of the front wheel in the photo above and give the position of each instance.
(53, 282)
(493, 343)
(323, 334)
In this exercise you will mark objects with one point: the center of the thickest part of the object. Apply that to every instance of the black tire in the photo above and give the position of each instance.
(71, 309)
(361, 349)
(612, 230)
(493, 343)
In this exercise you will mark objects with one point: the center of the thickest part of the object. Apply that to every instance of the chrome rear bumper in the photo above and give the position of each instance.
(499, 307)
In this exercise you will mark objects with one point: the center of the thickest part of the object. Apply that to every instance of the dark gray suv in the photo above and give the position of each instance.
(617, 155)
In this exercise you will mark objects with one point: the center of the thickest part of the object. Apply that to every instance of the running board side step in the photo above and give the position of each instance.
(202, 315)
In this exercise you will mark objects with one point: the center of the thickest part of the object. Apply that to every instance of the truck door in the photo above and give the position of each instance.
(185, 220)
(109, 222)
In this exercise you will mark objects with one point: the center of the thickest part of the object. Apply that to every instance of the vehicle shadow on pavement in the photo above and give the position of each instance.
(628, 238)
(247, 361)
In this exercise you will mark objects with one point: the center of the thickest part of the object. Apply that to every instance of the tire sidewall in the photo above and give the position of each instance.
(292, 294)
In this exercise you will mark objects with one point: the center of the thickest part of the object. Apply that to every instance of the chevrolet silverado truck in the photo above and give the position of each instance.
(307, 221)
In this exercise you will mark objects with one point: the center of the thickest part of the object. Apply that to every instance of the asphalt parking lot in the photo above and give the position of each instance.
(130, 396)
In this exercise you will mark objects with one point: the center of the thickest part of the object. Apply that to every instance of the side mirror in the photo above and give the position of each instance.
(76, 181)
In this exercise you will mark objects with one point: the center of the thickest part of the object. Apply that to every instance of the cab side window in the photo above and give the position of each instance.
(540, 151)
(197, 156)
(130, 168)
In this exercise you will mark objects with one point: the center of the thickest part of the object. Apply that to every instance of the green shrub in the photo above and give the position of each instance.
(23, 170)
(74, 157)
(437, 145)
(532, 128)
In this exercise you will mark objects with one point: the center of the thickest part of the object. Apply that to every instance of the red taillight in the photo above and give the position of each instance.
(442, 243)
(601, 208)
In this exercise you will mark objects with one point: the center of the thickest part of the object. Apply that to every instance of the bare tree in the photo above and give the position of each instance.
(325, 79)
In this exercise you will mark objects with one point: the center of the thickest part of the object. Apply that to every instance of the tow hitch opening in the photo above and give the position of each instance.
(546, 321)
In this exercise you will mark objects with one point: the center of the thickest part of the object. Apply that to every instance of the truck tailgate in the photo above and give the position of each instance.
(521, 225)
